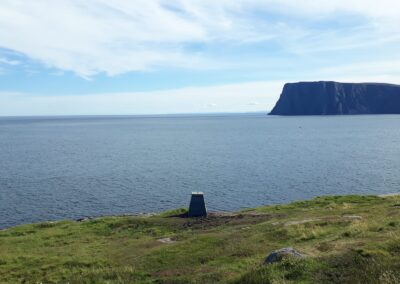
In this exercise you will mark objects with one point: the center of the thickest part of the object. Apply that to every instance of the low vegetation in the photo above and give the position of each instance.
(347, 239)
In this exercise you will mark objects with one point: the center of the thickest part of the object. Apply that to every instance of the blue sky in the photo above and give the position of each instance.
(71, 57)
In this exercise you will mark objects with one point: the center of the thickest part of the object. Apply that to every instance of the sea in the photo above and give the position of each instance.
(55, 168)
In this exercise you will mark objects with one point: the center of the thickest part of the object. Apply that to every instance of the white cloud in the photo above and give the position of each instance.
(223, 98)
(117, 36)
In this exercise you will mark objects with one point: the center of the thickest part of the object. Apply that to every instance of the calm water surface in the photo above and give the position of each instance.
(57, 168)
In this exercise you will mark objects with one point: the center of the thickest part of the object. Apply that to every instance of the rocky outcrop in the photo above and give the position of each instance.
(331, 98)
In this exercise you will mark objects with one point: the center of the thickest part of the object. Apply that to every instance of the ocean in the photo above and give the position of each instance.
(54, 168)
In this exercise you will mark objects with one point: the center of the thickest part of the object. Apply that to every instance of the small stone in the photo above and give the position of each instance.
(84, 219)
(166, 241)
(280, 254)
(290, 223)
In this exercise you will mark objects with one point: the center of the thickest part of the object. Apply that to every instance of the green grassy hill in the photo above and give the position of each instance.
(348, 239)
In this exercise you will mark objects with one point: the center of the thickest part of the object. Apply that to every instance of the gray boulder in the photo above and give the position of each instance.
(280, 254)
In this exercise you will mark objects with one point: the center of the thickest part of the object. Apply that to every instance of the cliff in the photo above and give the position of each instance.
(331, 98)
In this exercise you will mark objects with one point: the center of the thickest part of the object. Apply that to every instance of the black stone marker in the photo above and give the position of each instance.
(197, 207)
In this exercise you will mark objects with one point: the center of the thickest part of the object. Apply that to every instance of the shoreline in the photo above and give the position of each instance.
(151, 214)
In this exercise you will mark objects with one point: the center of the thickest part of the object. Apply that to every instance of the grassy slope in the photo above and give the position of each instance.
(349, 239)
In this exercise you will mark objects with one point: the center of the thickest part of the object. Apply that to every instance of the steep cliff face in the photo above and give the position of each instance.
(328, 98)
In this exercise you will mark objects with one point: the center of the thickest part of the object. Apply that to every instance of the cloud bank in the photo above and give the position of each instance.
(223, 98)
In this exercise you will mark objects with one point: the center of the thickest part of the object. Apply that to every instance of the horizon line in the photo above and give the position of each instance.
(134, 115)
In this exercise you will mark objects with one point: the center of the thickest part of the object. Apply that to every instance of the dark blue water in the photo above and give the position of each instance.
(57, 168)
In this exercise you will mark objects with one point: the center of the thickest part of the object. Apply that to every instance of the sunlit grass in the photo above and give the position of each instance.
(348, 239)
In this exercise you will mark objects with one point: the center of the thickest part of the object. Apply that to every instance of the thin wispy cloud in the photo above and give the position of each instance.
(8, 61)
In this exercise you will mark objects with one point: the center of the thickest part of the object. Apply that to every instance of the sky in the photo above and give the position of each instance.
(123, 57)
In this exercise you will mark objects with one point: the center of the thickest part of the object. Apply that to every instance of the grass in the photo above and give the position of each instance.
(348, 239)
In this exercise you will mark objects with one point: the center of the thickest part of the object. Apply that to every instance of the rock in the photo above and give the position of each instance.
(290, 223)
(332, 98)
(280, 254)
(166, 241)
(84, 219)
(146, 215)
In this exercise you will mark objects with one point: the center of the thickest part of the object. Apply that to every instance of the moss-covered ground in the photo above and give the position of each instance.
(348, 239)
